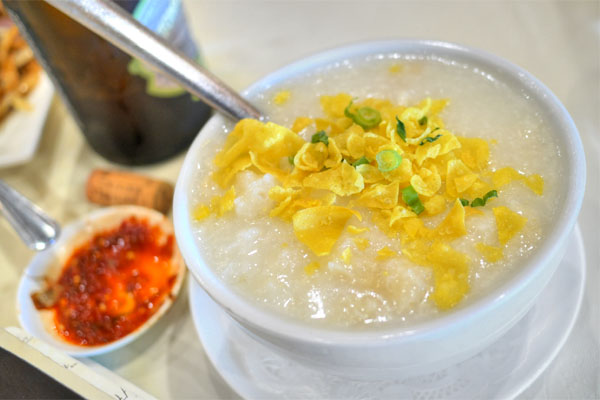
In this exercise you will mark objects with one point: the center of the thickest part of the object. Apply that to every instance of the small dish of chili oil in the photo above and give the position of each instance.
(113, 276)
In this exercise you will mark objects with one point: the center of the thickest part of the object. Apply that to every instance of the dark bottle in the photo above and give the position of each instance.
(127, 113)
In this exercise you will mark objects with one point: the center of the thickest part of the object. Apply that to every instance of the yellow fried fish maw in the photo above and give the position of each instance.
(355, 230)
(491, 254)
(451, 275)
(222, 204)
(506, 175)
(311, 157)
(282, 97)
(474, 152)
(380, 196)
(427, 182)
(435, 205)
(320, 227)
(400, 212)
(454, 223)
(312, 267)
(508, 222)
(347, 255)
(343, 180)
(385, 253)
(224, 176)
(334, 106)
(370, 173)
(458, 178)
(266, 144)
(334, 156)
(361, 243)
(301, 123)
(201, 212)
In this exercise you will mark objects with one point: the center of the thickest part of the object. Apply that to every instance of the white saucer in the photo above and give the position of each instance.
(503, 370)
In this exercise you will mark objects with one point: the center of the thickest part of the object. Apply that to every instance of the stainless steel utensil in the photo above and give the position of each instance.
(37, 229)
(115, 25)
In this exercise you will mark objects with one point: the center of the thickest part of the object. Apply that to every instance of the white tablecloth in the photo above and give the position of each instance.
(557, 41)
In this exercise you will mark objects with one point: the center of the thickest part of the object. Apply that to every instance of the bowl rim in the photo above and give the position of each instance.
(281, 326)
(30, 318)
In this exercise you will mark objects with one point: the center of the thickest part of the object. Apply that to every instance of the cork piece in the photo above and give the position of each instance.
(117, 187)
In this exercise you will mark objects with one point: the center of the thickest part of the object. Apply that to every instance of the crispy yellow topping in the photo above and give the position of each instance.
(265, 144)
(361, 243)
(342, 180)
(218, 205)
(201, 212)
(347, 255)
(312, 267)
(355, 230)
(301, 123)
(506, 175)
(385, 253)
(451, 275)
(281, 97)
(320, 227)
(509, 223)
(403, 168)
(453, 225)
(221, 204)
(491, 254)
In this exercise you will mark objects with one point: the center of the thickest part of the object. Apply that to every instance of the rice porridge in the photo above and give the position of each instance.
(392, 189)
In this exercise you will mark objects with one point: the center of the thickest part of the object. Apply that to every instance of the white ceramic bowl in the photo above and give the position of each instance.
(441, 342)
(48, 265)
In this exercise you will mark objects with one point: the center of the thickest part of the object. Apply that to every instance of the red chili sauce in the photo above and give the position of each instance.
(112, 284)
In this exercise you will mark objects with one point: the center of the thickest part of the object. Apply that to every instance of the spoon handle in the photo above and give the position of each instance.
(115, 25)
(37, 230)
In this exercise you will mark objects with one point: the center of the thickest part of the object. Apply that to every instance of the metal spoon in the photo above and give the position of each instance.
(115, 25)
(35, 228)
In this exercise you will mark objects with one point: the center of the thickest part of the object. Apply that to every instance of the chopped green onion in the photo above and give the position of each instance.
(400, 129)
(388, 160)
(479, 202)
(490, 194)
(291, 160)
(320, 136)
(366, 117)
(411, 198)
(423, 120)
(347, 112)
(429, 139)
(464, 202)
(360, 161)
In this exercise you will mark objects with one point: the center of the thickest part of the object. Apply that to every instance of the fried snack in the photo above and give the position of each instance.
(19, 71)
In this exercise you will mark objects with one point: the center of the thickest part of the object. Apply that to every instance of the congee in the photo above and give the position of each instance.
(382, 190)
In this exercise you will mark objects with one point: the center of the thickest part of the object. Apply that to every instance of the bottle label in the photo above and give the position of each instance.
(166, 18)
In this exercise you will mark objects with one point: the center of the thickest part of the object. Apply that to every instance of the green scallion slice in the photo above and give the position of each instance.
(360, 161)
(411, 198)
(464, 202)
(388, 160)
(480, 202)
(366, 117)
(429, 140)
(423, 120)
(400, 129)
(291, 160)
(320, 136)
